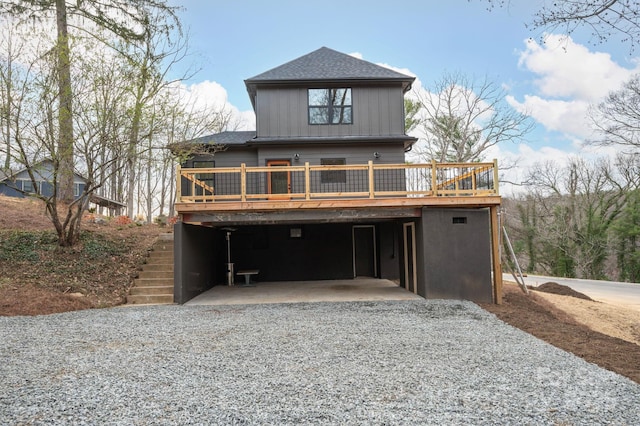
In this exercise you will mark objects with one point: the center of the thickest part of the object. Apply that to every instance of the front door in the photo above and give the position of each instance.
(279, 183)
(364, 251)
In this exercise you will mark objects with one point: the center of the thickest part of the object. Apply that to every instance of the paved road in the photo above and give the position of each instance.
(604, 291)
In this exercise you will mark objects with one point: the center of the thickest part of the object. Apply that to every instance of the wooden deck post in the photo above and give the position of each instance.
(371, 182)
(243, 182)
(495, 255)
(179, 184)
(307, 181)
(434, 177)
(496, 177)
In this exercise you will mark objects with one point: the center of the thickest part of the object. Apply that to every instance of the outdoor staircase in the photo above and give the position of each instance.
(154, 284)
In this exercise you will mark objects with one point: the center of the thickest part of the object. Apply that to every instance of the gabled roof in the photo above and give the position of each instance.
(44, 164)
(327, 65)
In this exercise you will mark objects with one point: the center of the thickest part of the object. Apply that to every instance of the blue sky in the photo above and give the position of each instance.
(554, 82)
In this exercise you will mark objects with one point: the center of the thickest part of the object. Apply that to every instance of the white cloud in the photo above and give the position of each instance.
(210, 95)
(569, 78)
(206, 94)
(570, 70)
(568, 117)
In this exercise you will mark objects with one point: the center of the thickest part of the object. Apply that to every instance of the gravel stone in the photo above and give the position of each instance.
(396, 362)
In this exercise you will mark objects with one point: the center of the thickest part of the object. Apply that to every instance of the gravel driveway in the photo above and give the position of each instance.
(409, 362)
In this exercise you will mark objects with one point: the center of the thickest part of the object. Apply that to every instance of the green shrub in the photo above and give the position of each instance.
(18, 246)
(95, 246)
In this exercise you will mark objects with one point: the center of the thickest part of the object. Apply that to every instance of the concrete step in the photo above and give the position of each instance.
(161, 255)
(158, 267)
(162, 247)
(149, 290)
(152, 282)
(156, 299)
(155, 274)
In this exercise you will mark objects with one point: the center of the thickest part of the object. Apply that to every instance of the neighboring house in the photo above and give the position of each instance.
(20, 185)
(322, 190)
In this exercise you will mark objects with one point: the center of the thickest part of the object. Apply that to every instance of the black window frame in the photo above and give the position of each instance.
(333, 176)
(333, 110)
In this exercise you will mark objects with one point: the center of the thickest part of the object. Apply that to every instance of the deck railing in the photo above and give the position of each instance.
(314, 182)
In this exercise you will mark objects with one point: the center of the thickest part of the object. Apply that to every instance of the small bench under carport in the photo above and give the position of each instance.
(247, 275)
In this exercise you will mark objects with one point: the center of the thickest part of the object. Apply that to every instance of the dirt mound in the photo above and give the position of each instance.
(562, 290)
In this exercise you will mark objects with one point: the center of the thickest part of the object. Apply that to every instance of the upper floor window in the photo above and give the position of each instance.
(330, 106)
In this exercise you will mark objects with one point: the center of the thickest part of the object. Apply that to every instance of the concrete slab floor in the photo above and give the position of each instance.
(359, 289)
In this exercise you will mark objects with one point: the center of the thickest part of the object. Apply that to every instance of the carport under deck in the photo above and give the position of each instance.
(382, 195)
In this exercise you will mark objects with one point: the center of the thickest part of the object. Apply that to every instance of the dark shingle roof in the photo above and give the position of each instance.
(327, 64)
(226, 138)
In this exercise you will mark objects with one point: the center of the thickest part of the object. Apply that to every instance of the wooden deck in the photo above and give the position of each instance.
(205, 194)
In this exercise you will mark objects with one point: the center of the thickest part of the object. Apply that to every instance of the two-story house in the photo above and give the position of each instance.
(322, 190)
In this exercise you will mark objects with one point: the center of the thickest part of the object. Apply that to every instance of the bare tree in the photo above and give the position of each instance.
(15, 76)
(565, 223)
(604, 18)
(150, 62)
(461, 118)
(617, 118)
(126, 21)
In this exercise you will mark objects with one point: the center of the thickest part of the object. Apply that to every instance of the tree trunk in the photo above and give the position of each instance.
(131, 185)
(8, 113)
(65, 119)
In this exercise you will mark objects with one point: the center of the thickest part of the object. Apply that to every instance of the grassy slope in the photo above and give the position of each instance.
(39, 277)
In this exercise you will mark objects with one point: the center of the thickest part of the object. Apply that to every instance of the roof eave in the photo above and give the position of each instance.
(407, 140)
(252, 84)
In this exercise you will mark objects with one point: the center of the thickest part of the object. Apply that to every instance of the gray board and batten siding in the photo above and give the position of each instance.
(283, 112)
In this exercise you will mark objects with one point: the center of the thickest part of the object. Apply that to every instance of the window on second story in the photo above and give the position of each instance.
(330, 106)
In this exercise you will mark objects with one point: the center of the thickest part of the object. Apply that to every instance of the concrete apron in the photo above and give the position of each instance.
(359, 289)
